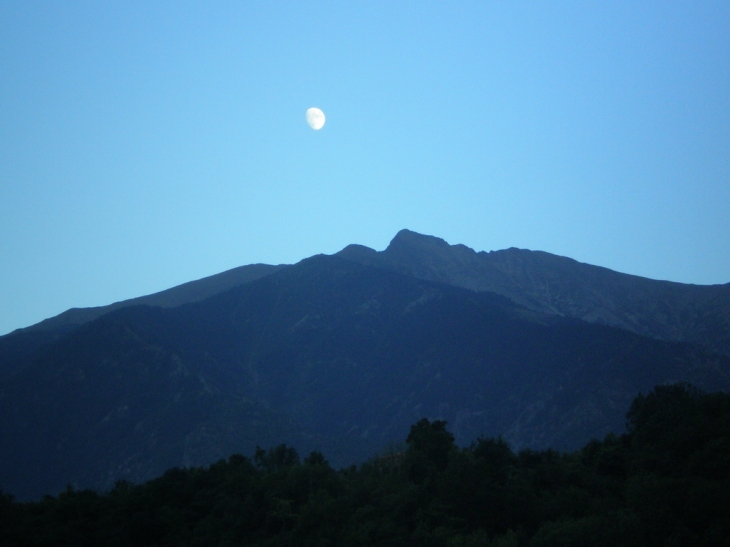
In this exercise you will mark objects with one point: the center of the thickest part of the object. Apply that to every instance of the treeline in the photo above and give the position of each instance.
(665, 482)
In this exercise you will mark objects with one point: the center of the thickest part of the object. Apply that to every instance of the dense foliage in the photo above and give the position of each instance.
(665, 482)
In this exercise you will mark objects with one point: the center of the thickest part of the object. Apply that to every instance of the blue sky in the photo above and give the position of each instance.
(146, 144)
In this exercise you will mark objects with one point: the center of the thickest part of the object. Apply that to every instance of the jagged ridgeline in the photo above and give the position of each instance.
(342, 354)
(665, 482)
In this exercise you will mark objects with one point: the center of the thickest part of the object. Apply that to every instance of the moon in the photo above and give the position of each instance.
(315, 118)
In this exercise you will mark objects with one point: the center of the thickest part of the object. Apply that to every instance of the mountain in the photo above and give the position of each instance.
(330, 354)
(699, 314)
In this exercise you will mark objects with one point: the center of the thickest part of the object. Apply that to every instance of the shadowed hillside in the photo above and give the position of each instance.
(665, 482)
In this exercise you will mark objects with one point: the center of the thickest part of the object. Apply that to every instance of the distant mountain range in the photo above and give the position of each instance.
(343, 353)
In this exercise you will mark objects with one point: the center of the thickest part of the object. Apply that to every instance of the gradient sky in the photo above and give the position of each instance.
(146, 144)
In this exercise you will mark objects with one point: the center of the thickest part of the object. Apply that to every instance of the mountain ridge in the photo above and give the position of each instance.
(538, 280)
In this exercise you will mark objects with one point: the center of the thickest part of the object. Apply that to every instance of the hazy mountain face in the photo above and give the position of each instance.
(330, 354)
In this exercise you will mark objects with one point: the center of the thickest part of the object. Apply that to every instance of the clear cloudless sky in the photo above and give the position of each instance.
(146, 144)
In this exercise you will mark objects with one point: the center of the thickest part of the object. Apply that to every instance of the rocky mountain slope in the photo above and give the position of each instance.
(699, 314)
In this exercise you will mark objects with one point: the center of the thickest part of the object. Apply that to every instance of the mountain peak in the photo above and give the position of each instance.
(408, 238)
(409, 247)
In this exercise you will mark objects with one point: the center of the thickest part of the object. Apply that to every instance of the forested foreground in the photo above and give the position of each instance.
(665, 482)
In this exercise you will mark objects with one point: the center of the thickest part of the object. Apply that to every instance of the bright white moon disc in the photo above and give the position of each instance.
(315, 118)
